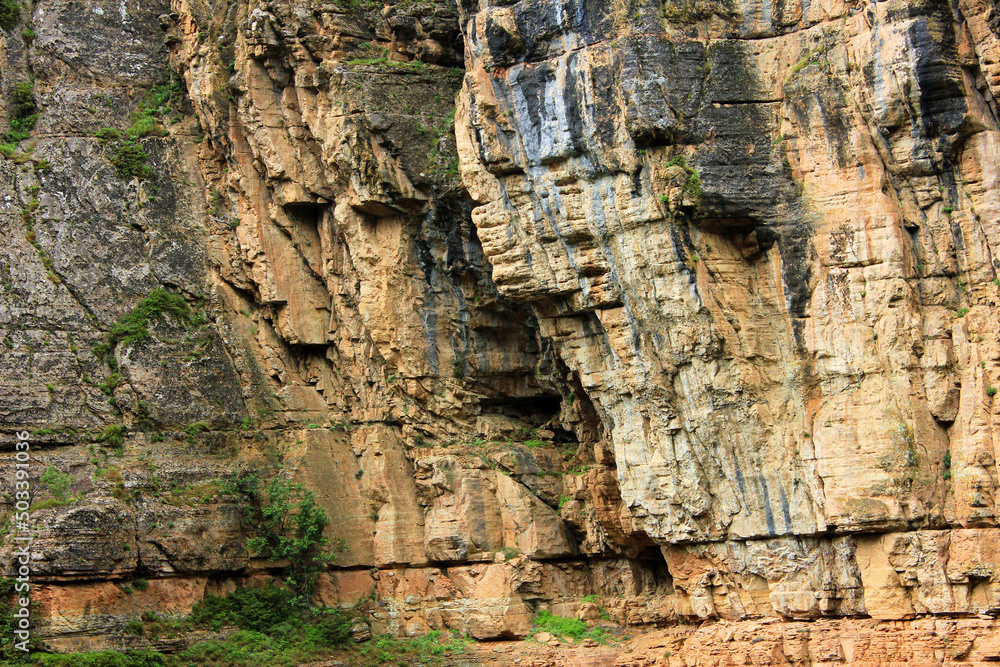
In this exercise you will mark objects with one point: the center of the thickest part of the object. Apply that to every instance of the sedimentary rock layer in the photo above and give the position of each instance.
(688, 306)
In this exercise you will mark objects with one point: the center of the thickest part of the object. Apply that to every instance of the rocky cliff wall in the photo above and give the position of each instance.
(763, 237)
(690, 306)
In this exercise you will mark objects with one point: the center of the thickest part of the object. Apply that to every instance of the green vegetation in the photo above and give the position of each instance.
(126, 153)
(145, 658)
(56, 481)
(812, 57)
(257, 609)
(377, 54)
(946, 466)
(425, 650)
(132, 328)
(24, 115)
(129, 159)
(113, 435)
(510, 552)
(692, 186)
(24, 99)
(991, 391)
(196, 428)
(273, 629)
(190, 495)
(10, 12)
(288, 524)
(271, 632)
(962, 312)
(560, 626)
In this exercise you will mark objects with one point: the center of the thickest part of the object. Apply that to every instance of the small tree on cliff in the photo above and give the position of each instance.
(288, 525)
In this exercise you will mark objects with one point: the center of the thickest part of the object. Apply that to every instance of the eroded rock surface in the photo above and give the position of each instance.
(691, 307)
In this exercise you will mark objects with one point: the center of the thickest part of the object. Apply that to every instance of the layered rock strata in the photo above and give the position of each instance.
(763, 238)
(690, 307)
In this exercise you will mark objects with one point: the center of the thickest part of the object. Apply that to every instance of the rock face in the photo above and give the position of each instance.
(763, 239)
(689, 306)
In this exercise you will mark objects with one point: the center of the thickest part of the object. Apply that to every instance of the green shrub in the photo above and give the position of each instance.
(510, 552)
(56, 481)
(113, 434)
(129, 159)
(24, 99)
(428, 649)
(145, 658)
(133, 328)
(257, 609)
(24, 115)
(273, 629)
(289, 524)
(692, 186)
(561, 626)
(10, 12)
(991, 391)
(134, 628)
(196, 428)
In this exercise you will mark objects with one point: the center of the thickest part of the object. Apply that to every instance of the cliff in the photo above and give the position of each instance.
(690, 306)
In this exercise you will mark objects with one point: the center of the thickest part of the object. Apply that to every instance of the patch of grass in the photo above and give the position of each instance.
(196, 428)
(126, 153)
(426, 650)
(52, 502)
(193, 494)
(129, 159)
(560, 626)
(510, 552)
(145, 658)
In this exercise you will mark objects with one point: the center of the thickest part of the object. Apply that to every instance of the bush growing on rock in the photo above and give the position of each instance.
(10, 12)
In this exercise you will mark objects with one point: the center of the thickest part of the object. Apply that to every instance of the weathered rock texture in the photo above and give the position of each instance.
(690, 306)
(763, 238)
